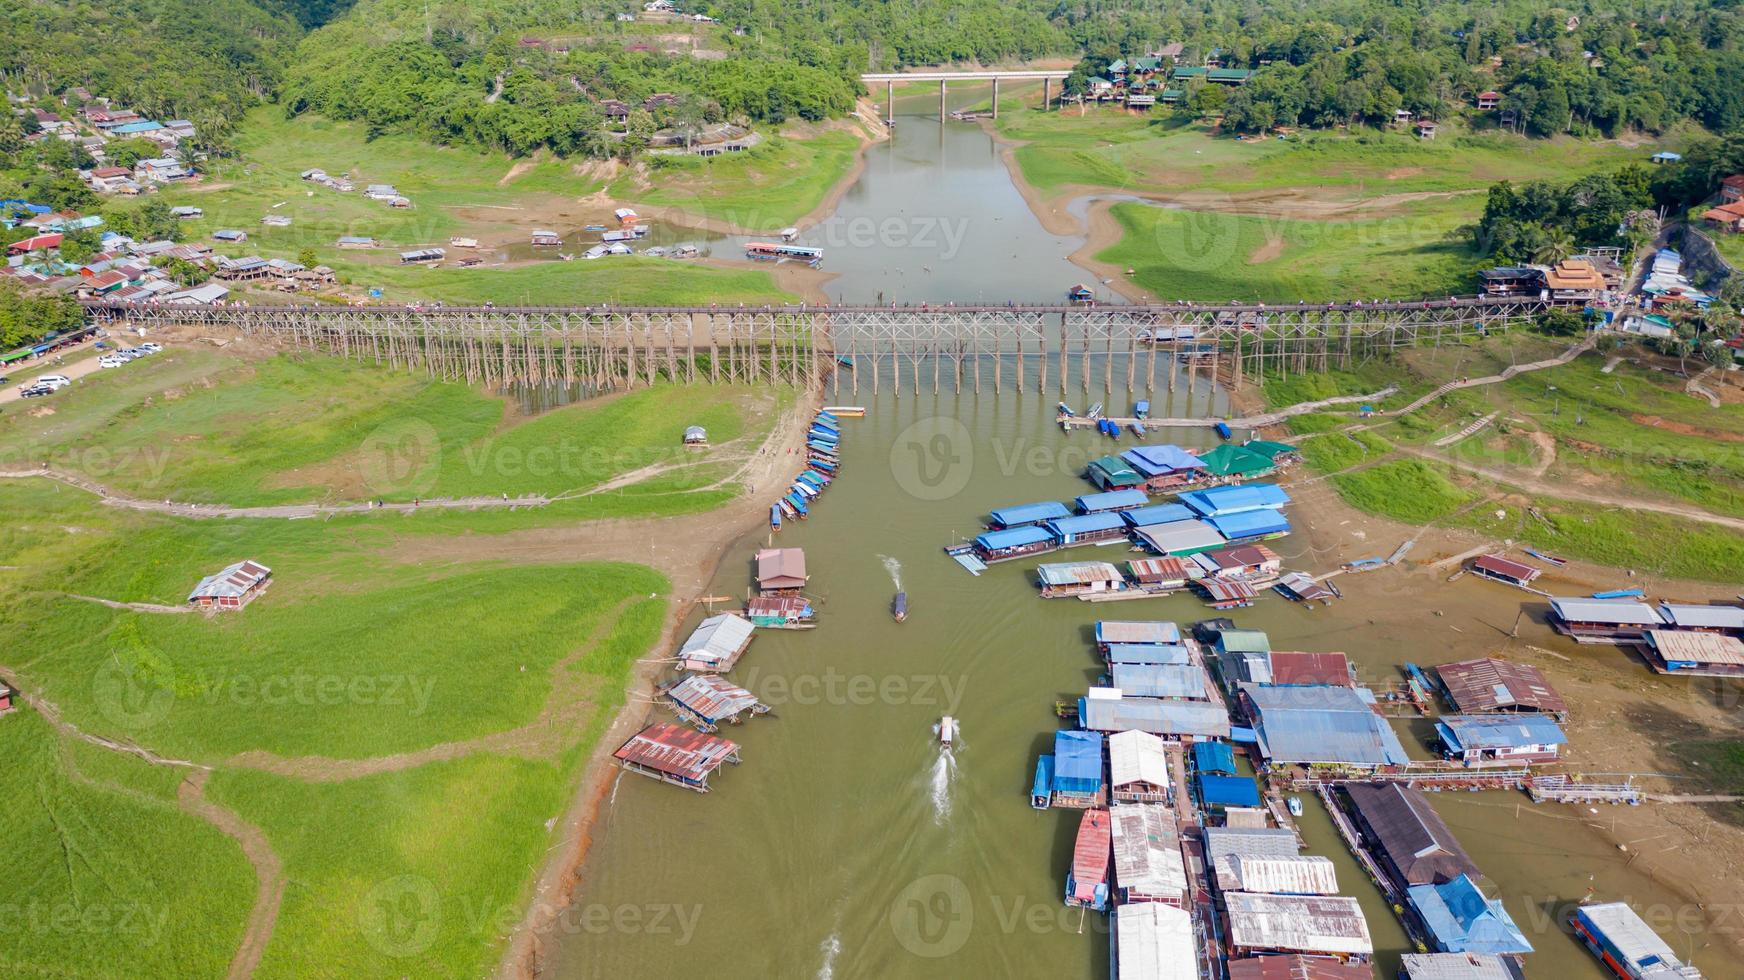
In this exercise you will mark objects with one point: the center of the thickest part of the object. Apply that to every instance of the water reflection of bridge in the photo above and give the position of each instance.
(905, 347)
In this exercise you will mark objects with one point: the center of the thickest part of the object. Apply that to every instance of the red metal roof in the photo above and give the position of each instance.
(1506, 567)
(677, 751)
(1091, 854)
(1295, 667)
(1159, 569)
(52, 240)
(781, 568)
(1297, 967)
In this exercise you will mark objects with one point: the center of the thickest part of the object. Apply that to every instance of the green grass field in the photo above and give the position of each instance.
(1218, 256)
(765, 188)
(618, 281)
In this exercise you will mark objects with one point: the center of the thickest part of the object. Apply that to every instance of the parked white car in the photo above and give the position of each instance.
(111, 361)
(150, 348)
(53, 382)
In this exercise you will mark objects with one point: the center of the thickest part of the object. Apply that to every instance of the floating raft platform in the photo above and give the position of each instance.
(1566, 789)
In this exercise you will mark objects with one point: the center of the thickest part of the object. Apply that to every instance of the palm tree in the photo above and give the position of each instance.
(1556, 245)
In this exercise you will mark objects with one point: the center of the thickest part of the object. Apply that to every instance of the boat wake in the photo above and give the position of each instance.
(894, 567)
(944, 773)
(831, 947)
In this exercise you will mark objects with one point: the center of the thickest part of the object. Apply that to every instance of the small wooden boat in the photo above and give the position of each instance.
(787, 510)
(775, 517)
(1087, 882)
(947, 731)
(1223, 431)
(846, 411)
(1138, 430)
(1620, 594)
(1066, 410)
(899, 607)
(1142, 410)
(1549, 558)
(1095, 411)
(1295, 805)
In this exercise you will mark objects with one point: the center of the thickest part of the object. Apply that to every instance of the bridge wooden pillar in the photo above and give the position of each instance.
(889, 100)
(996, 96)
(1047, 92)
(941, 100)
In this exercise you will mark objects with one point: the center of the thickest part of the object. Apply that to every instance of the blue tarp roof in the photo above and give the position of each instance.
(1013, 537)
(1462, 920)
(1243, 735)
(1228, 790)
(1322, 723)
(1092, 503)
(1067, 527)
(1156, 514)
(1047, 510)
(1214, 757)
(1249, 524)
(1159, 680)
(1157, 460)
(1234, 500)
(1077, 761)
(1147, 653)
(1467, 733)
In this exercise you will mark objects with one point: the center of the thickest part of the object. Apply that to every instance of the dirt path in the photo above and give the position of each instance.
(1511, 371)
(268, 871)
(1547, 448)
(144, 607)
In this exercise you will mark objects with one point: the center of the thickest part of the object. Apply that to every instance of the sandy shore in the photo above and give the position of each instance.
(688, 550)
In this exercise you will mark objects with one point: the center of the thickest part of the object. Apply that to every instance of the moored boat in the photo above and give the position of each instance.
(1223, 431)
(1087, 882)
(775, 517)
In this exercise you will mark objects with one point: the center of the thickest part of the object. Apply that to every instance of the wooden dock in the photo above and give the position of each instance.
(1559, 788)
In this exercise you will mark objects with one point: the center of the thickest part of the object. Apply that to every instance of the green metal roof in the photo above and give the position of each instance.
(1268, 448)
(1188, 71)
(1229, 74)
(1116, 471)
(1244, 641)
(1228, 460)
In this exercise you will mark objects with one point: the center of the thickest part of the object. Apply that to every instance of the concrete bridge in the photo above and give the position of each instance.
(994, 75)
(902, 346)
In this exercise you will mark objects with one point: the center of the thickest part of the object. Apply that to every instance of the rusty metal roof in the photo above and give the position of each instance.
(712, 696)
(1296, 667)
(1298, 923)
(1147, 850)
(1488, 684)
(676, 750)
(232, 582)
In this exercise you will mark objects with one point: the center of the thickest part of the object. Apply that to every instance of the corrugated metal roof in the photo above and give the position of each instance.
(1455, 966)
(1137, 757)
(1180, 537)
(1506, 567)
(1224, 843)
(715, 642)
(1021, 514)
(1096, 503)
(1077, 573)
(1156, 514)
(1078, 761)
(1243, 641)
(1322, 723)
(1297, 967)
(1159, 570)
(1298, 923)
(1620, 612)
(1214, 757)
(1147, 653)
(1067, 527)
(1147, 850)
(1227, 590)
(1704, 617)
(1487, 685)
(1157, 717)
(1249, 523)
(1137, 631)
(1297, 667)
(1228, 460)
(1116, 470)
(1682, 646)
(1236, 499)
(677, 751)
(1015, 537)
(781, 568)
(1462, 919)
(1227, 790)
(1160, 680)
(1412, 836)
(1155, 942)
(1297, 874)
(231, 582)
(1161, 459)
(1630, 935)
(712, 696)
(1470, 733)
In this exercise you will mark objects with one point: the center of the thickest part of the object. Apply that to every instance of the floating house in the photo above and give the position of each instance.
(1180, 538)
(232, 587)
(1727, 620)
(1234, 464)
(1087, 529)
(1217, 792)
(1214, 757)
(1314, 669)
(1148, 866)
(1156, 514)
(1077, 769)
(1242, 561)
(1298, 967)
(1626, 944)
(1226, 593)
(1026, 514)
(1252, 525)
(1106, 710)
(1223, 501)
(1242, 641)
(1697, 654)
(1224, 844)
(1490, 686)
(1165, 468)
(1015, 542)
(1328, 725)
(1146, 653)
(1458, 966)
(1506, 739)
(1184, 682)
(1460, 919)
(1504, 570)
(1324, 925)
(707, 700)
(1159, 574)
(1111, 501)
(1153, 941)
(776, 612)
(716, 644)
(1410, 840)
(1138, 767)
(1113, 473)
(1111, 631)
(1087, 881)
(1079, 578)
(676, 755)
(546, 238)
(1295, 874)
(781, 571)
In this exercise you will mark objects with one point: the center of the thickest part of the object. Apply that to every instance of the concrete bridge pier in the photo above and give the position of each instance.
(996, 96)
(889, 101)
(941, 100)
(1047, 92)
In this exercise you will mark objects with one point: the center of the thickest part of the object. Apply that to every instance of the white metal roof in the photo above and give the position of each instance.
(1155, 942)
(716, 639)
(1147, 850)
(1454, 966)
(230, 582)
(1298, 923)
(1299, 874)
(1623, 612)
(1705, 617)
(1636, 940)
(1137, 757)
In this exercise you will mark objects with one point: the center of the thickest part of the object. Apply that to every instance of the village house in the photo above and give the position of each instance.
(1412, 842)
(1727, 217)
(1489, 100)
(112, 180)
(1490, 686)
(160, 170)
(716, 644)
(1732, 189)
(1513, 739)
(1574, 282)
(781, 571)
(676, 755)
(232, 587)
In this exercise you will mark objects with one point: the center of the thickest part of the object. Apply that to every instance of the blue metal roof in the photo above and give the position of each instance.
(1228, 790)
(1322, 723)
(1233, 500)
(1077, 761)
(1147, 653)
(1462, 920)
(1047, 510)
(1158, 460)
(1067, 528)
(1013, 537)
(1159, 680)
(1470, 733)
(1249, 524)
(1156, 514)
(1214, 757)
(1095, 503)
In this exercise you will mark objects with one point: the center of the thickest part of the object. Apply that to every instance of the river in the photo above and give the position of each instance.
(847, 844)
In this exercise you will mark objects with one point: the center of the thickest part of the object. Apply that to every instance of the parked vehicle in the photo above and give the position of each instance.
(35, 391)
(111, 361)
(150, 348)
(53, 381)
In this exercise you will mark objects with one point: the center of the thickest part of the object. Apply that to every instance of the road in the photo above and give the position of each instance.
(22, 375)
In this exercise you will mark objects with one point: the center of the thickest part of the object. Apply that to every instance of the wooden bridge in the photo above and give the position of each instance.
(957, 347)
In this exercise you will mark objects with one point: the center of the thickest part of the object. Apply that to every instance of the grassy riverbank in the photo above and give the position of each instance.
(766, 188)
